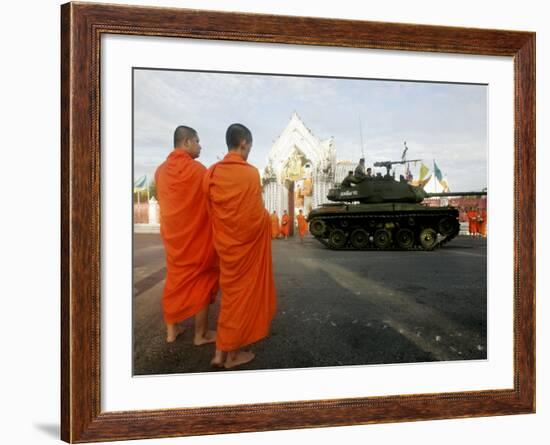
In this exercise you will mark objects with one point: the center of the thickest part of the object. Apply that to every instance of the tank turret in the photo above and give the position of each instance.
(380, 212)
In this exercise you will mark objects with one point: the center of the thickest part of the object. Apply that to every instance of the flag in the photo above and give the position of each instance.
(140, 184)
(437, 172)
(423, 171)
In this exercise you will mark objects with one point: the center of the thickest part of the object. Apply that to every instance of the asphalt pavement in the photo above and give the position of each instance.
(335, 308)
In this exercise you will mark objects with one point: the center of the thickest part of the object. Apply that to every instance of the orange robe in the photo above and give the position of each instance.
(274, 225)
(472, 219)
(482, 226)
(192, 269)
(242, 237)
(302, 225)
(285, 224)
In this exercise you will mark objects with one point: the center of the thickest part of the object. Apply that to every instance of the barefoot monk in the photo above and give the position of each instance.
(302, 225)
(192, 270)
(242, 237)
(274, 225)
(472, 221)
(285, 224)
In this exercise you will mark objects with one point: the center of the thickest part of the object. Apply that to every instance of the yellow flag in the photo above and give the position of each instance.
(423, 171)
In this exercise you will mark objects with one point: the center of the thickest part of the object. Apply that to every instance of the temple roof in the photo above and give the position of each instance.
(297, 136)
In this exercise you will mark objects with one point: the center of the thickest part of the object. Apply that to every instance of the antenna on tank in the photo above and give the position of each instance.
(361, 134)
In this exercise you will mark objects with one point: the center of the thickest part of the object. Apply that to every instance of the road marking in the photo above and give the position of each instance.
(397, 309)
(149, 281)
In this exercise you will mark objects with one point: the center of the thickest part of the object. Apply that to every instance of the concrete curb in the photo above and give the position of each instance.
(146, 228)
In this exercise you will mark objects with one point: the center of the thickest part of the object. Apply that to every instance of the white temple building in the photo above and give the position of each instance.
(301, 169)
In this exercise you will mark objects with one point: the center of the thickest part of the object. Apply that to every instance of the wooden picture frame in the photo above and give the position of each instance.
(82, 26)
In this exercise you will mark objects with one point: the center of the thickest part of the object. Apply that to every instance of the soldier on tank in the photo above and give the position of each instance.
(349, 180)
(360, 170)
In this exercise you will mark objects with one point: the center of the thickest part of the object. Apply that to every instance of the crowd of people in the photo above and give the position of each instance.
(217, 237)
(477, 221)
(282, 229)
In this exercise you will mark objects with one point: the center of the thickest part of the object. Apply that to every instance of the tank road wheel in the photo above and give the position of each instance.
(360, 239)
(405, 238)
(317, 227)
(382, 239)
(447, 225)
(338, 238)
(428, 239)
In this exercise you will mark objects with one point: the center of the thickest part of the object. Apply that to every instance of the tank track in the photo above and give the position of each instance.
(425, 219)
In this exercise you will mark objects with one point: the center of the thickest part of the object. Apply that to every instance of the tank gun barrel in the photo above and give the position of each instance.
(451, 194)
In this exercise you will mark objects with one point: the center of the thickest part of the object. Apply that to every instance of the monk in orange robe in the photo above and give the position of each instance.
(482, 225)
(285, 224)
(274, 225)
(472, 221)
(192, 269)
(242, 238)
(302, 225)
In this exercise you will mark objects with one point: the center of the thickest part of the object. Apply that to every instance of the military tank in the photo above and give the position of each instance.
(382, 213)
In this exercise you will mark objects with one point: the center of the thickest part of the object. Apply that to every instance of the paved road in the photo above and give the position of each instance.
(336, 308)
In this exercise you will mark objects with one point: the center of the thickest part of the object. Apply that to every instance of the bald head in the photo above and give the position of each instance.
(187, 139)
(236, 134)
(182, 134)
(239, 139)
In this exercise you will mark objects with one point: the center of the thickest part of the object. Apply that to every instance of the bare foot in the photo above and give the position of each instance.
(208, 337)
(172, 332)
(219, 359)
(238, 358)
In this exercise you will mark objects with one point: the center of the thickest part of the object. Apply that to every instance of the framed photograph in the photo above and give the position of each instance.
(360, 226)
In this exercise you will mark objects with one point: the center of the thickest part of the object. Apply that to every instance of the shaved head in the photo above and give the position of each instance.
(237, 133)
(183, 134)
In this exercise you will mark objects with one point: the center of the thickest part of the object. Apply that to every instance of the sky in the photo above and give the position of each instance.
(439, 121)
